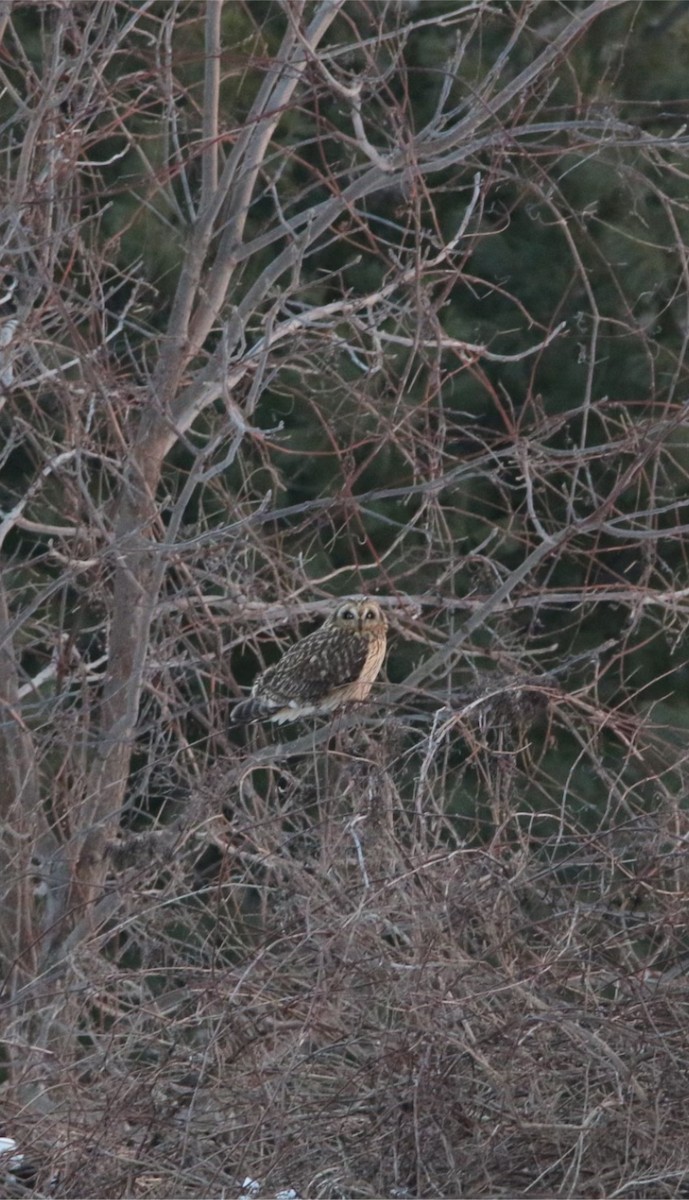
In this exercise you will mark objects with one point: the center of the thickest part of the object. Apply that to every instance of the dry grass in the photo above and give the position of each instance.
(332, 987)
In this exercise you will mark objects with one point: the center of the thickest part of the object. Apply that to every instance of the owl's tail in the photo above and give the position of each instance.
(252, 709)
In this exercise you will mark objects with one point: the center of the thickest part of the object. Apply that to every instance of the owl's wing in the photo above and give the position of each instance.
(312, 668)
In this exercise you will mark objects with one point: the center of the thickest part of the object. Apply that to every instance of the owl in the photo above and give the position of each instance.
(331, 667)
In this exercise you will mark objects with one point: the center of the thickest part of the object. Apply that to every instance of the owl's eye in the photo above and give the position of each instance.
(370, 614)
(347, 614)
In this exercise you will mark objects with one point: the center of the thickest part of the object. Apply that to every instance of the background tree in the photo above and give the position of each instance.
(300, 300)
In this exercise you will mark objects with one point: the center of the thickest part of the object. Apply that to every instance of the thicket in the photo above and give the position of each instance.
(302, 300)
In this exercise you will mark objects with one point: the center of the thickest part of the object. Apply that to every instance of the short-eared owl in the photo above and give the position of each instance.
(336, 664)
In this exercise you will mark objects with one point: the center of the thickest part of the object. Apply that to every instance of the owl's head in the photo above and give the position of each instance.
(360, 615)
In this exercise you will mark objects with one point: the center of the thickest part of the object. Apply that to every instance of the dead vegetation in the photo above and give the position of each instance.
(304, 301)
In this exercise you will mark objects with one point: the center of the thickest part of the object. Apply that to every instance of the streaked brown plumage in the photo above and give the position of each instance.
(333, 666)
